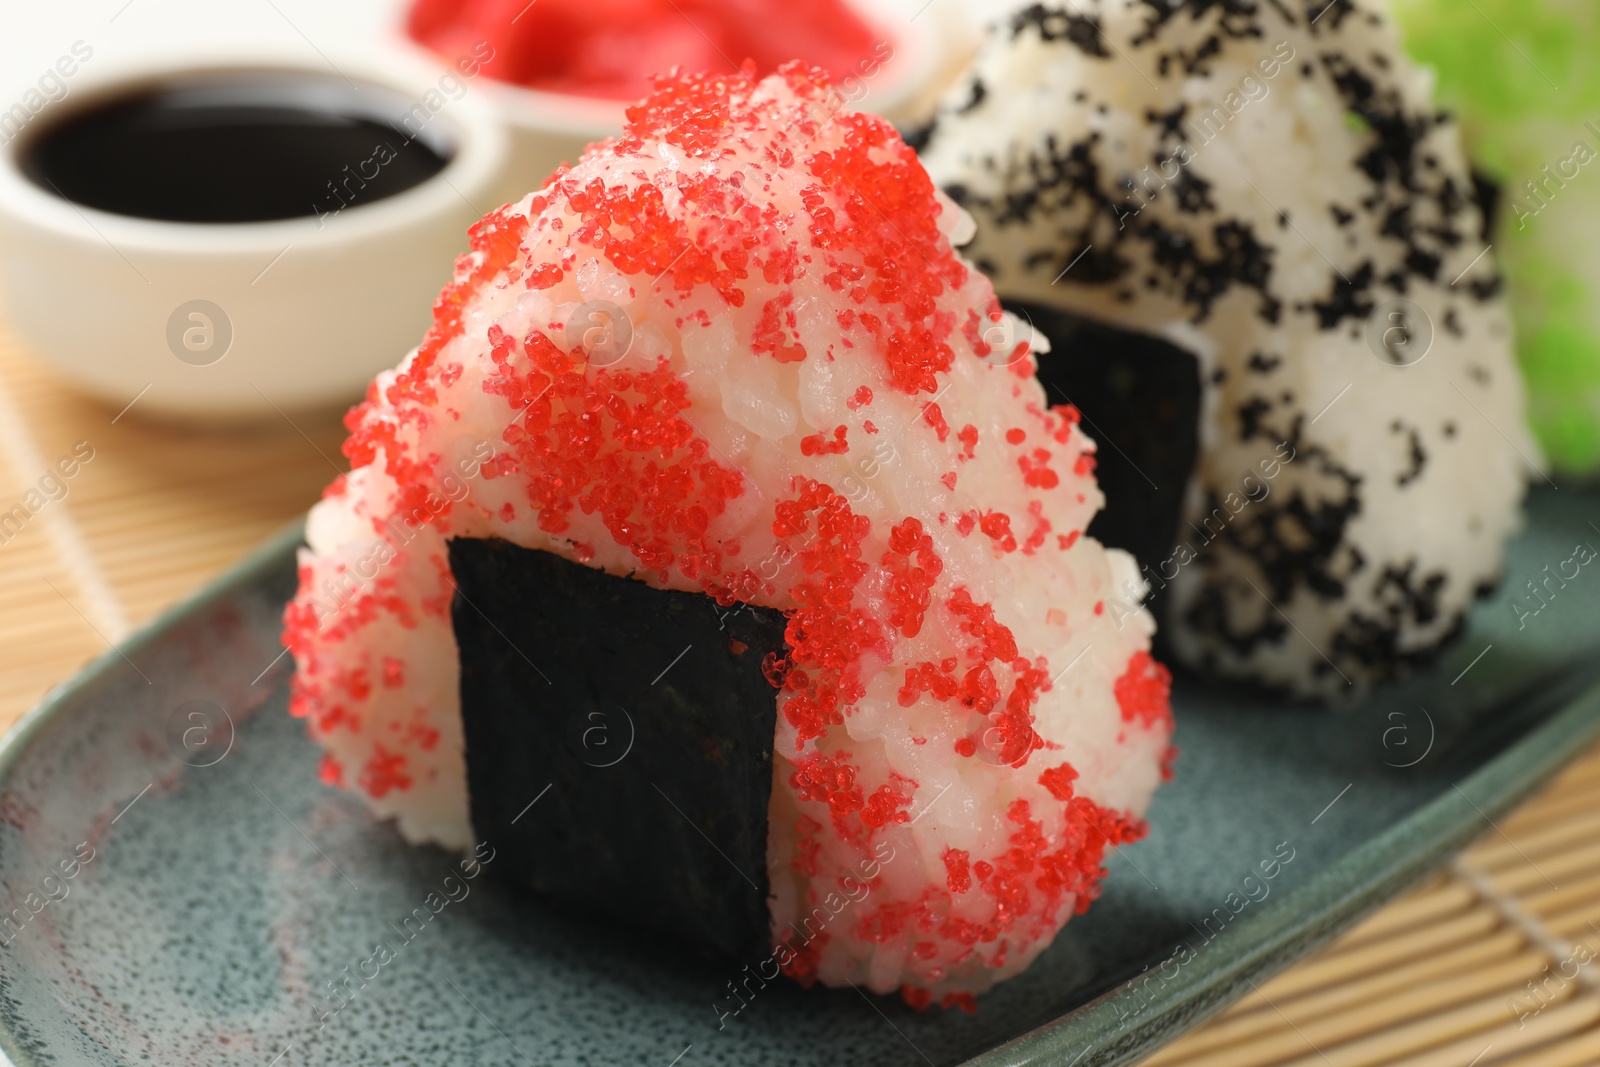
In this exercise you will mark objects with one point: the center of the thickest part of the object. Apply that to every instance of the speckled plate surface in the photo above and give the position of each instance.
(183, 890)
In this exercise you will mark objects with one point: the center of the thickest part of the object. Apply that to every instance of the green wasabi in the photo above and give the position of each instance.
(1522, 78)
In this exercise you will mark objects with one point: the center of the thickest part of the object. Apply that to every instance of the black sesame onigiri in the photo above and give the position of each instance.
(1270, 187)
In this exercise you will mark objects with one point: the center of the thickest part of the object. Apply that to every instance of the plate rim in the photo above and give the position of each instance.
(1091, 1035)
(1318, 910)
(18, 738)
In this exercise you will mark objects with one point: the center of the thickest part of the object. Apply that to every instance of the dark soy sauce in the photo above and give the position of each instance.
(238, 148)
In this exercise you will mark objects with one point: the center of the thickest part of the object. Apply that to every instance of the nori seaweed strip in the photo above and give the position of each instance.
(659, 760)
(1140, 398)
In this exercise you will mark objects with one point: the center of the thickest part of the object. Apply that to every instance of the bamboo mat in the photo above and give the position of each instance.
(1478, 967)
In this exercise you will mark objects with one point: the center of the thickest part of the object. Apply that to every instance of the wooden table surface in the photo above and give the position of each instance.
(1480, 966)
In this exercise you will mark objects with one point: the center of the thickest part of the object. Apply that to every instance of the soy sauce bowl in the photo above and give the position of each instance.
(183, 284)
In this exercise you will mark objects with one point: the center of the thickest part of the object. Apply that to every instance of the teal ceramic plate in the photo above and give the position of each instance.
(183, 890)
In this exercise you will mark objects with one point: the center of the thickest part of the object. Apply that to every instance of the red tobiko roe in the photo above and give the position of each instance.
(612, 48)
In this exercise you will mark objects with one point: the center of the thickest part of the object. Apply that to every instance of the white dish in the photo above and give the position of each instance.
(548, 129)
(293, 313)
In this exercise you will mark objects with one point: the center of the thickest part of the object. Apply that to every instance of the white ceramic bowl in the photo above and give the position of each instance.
(314, 307)
(548, 129)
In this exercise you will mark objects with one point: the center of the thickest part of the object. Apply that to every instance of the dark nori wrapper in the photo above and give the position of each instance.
(1140, 399)
(659, 760)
